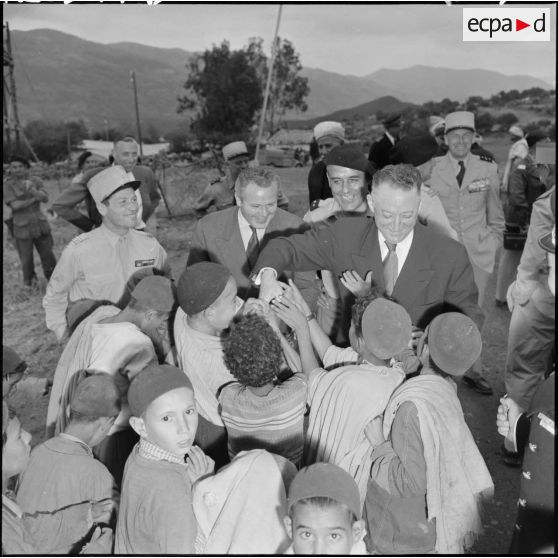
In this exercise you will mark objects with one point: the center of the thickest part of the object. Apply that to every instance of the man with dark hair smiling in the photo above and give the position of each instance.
(97, 265)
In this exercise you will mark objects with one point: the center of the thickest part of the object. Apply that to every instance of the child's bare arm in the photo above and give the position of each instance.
(287, 310)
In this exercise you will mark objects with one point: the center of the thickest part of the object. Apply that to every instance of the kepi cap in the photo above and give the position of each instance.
(545, 153)
(96, 396)
(329, 128)
(200, 285)
(155, 292)
(454, 342)
(152, 382)
(515, 130)
(386, 328)
(348, 156)
(460, 119)
(234, 149)
(325, 480)
(109, 181)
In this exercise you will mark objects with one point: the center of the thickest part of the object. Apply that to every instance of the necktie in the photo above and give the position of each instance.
(253, 248)
(390, 264)
(461, 173)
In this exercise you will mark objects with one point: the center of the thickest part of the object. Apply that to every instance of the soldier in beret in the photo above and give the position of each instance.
(468, 186)
(328, 135)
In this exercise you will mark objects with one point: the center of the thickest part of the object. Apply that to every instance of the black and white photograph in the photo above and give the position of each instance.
(279, 278)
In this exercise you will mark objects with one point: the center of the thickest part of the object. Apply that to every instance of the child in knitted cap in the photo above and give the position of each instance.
(207, 303)
(324, 512)
(156, 515)
(23, 533)
(425, 453)
(344, 400)
(62, 471)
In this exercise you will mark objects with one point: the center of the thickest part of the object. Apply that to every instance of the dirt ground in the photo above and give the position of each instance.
(24, 329)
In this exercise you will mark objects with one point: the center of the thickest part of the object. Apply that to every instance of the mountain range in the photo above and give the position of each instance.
(62, 77)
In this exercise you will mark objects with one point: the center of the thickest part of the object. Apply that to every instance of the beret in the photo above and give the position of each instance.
(329, 128)
(96, 396)
(325, 480)
(200, 285)
(454, 342)
(348, 156)
(152, 382)
(386, 328)
(460, 119)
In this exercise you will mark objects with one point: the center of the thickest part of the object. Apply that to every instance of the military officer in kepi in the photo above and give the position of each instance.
(468, 186)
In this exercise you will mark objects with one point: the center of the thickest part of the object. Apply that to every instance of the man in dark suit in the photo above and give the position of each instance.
(425, 272)
(380, 150)
(125, 154)
(234, 236)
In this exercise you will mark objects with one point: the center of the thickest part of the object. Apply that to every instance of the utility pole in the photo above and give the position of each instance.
(133, 80)
(7, 131)
(9, 63)
(106, 130)
(268, 83)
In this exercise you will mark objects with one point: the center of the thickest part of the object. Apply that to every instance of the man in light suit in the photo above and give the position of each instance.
(426, 272)
(468, 186)
(234, 236)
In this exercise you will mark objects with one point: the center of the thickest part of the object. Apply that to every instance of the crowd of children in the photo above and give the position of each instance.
(372, 441)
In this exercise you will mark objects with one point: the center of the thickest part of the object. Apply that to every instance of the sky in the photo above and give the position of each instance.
(351, 39)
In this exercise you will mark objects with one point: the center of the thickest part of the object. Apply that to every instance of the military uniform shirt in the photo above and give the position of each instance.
(474, 210)
(96, 265)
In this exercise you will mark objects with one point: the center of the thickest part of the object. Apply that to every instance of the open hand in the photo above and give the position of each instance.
(353, 282)
(287, 310)
(102, 510)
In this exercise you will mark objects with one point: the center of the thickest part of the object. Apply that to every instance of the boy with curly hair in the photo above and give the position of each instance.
(258, 410)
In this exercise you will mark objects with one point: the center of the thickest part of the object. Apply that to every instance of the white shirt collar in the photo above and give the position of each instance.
(246, 231)
(455, 162)
(390, 137)
(402, 248)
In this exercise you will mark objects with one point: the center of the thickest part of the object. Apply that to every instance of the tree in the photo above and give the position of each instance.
(506, 119)
(50, 140)
(484, 122)
(288, 89)
(224, 90)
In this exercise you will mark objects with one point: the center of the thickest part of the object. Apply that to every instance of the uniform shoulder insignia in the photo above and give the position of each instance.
(487, 158)
(314, 205)
(144, 233)
(521, 167)
(81, 238)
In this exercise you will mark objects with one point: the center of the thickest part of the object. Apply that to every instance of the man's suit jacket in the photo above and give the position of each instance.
(436, 277)
(76, 192)
(217, 239)
(380, 152)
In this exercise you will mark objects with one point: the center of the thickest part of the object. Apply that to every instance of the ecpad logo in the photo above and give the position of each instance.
(506, 24)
